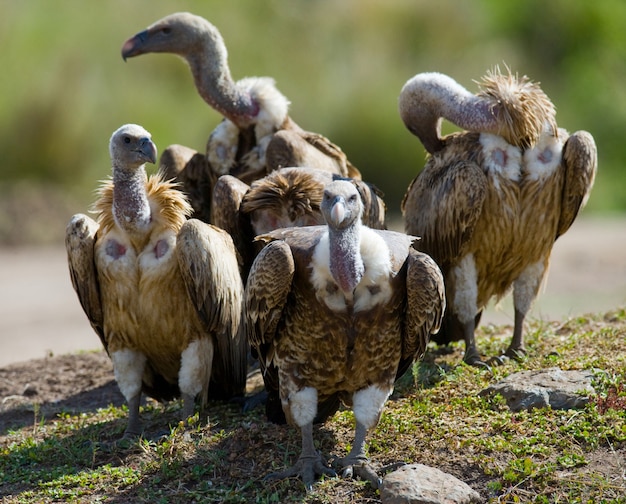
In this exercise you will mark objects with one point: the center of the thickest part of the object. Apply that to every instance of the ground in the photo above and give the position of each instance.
(40, 317)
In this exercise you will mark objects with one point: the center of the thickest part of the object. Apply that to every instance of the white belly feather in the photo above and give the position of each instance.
(373, 289)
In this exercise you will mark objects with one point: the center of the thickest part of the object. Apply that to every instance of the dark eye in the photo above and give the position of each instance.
(166, 30)
(353, 198)
(126, 139)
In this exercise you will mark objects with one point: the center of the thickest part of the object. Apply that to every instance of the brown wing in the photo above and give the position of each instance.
(426, 302)
(374, 208)
(226, 214)
(80, 238)
(580, 161)
(442, 206)
(266, 293)
(190, 169)
(208, 265)
(293, 146)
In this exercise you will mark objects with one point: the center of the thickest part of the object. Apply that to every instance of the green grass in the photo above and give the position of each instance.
(435, 417)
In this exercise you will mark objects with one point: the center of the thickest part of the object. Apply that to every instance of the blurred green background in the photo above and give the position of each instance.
(64, 87)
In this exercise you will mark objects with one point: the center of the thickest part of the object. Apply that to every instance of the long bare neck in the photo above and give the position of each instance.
(513, 108)
(131, 208)
(429, 98)
(215, 85)
(346, 264)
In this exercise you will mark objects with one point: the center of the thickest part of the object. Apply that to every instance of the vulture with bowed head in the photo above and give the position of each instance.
(339, 310)
(162, 292)
(257, 135)
(287, 197)
(491, 200)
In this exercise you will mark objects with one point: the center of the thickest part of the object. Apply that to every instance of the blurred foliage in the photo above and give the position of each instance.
(65, 87)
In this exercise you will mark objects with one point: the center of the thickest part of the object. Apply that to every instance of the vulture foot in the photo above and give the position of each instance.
(308, 467)
(516, 353)
(472, 358)
(360, 466)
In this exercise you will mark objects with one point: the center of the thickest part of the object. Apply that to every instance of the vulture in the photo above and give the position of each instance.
(286, 197)
(256, 135)
(338, 310)
(493, 198)
(163, 292)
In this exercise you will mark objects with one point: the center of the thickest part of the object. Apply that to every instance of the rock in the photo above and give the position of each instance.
(30, 390)
(420, 484)
(546, 387)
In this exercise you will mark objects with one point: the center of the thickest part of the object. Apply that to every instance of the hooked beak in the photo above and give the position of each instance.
(148, 150)
(133, 46)
(338, 211)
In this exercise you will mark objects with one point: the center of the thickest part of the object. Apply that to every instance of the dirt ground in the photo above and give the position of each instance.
(40, 315)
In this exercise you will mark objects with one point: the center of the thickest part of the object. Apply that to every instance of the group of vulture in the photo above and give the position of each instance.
(270, 246)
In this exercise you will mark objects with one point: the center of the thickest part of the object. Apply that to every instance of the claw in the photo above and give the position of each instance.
(308, 468)
(361, 467)
(517, 354)
(498, 360)
(475, 360)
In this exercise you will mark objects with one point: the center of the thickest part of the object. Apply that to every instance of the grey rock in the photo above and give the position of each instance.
(420, 484)
(546, 387)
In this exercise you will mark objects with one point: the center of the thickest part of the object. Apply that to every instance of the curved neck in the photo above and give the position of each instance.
(215, 85)
(508, 106)
(131, 208)
(428, 98)
(346, 264)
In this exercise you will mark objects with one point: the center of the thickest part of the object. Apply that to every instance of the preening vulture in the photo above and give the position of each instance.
(257, 135)
(338, 310)
(163, 293)
(287, 197)
(491, 201)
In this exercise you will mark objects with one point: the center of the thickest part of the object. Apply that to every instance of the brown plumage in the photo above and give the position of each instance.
(492, 200)
(286, 197)
(245, 144)
(189, 169)
(337, 310)
(163, 293)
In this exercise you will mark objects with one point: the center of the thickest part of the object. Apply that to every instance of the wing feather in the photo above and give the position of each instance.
(190, 170)
(443, 205)
(80, 239)
(225, 213)
(580, 160)
(208, 265)
(426, 302)
(266, 293)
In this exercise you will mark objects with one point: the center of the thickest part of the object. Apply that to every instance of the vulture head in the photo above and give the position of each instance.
(180, 33)
(342, 209)
(509, 106)
(341, 205)
(200, 43)
(131, 146)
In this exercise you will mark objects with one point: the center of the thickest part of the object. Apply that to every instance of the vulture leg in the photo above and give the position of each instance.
(128, 367)
(367, 405)
(133, 428)
(472, 356)
(356, 462)
(195, 372)
(525, 290)
(516, 349)
(310, 463)
(301, 407)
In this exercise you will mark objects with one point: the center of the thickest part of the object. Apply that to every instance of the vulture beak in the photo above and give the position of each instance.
(133, 46)
(148, 150)
(338, 211)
